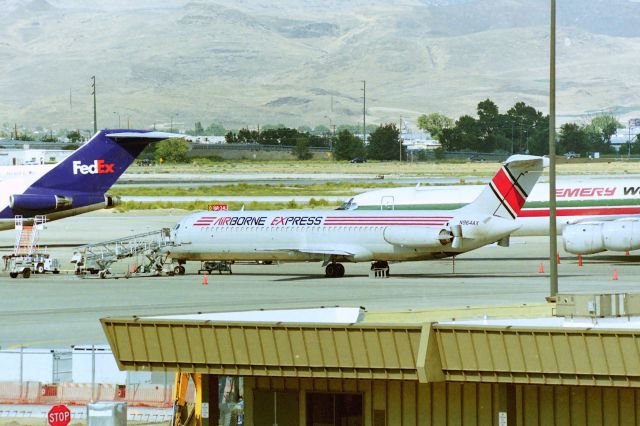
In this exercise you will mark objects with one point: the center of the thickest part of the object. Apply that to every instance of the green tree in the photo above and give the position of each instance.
(230, 137)
(434, 123)
(606, 125)
(198, 129)
(74, 136)
(320, 129)
(301, 149)
(25, 136)
(348, 146)
(573, 138)
(247, 136)
(488, 126)
(48, 137)
(384, 143)
(527, 129)
(216, 129)
(172, 150)
(463, 136)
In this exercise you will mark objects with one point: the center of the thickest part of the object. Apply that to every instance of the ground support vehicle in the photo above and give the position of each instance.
(211, 266)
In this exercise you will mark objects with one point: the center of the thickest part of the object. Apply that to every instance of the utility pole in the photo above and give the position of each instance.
(364, 111)
(400, 139)
(553, 232)
(95, 119)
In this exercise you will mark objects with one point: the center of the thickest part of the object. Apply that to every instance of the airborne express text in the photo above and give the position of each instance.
(261, 220)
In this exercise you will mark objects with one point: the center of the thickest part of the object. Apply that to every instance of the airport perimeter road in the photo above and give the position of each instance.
(63, 310)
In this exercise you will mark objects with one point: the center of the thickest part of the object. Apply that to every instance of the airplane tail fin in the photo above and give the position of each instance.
(508, 190)
(94, 167)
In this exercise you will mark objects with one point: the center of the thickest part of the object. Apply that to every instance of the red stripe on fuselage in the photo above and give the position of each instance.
(582, 211)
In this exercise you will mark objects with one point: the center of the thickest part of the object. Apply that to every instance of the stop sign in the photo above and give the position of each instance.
(59, 415)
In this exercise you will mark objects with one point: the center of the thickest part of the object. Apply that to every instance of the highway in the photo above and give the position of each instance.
(63, 310)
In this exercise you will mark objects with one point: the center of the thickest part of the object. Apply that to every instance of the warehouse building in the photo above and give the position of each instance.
(579, 367)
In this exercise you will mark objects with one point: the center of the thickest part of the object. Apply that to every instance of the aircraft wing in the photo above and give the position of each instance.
(353, 251)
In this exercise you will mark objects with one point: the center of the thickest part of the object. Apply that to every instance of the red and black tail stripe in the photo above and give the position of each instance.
(510, 194)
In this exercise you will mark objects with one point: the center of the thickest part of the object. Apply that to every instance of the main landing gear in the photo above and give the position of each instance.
(380, 268)
(334, 270)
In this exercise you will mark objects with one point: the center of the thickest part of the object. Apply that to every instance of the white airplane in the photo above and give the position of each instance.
(593, 215)
(78, 184)
(357, 236)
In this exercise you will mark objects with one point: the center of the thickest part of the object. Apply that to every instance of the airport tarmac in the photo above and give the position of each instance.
(63, 310)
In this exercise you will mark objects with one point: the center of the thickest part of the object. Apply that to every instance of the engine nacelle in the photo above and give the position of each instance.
(583, 238)
(35, 202)
(588, 238)
(621, 235)
(417, 236)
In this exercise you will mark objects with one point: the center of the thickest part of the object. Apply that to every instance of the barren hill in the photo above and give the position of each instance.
(249, 62)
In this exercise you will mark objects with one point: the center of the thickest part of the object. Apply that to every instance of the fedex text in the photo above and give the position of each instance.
(97, 167)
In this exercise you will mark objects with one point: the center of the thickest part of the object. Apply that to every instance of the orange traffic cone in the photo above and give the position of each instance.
(615, 275)
(558, 258)
(541, 268)
(205, 280)
(579, 260)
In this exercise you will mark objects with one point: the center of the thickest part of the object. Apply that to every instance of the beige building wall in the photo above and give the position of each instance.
(409, 403)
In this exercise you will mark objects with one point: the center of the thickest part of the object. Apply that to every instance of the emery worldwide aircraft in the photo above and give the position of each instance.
(77, 184)
(337, 236)
(593, 215)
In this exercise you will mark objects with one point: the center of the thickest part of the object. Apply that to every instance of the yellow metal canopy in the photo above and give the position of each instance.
(424, 353)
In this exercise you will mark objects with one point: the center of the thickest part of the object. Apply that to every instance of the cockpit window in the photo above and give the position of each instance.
(177, 227)
(349, 205)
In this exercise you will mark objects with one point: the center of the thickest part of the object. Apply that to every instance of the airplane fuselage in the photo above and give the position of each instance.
(577, 200)
(308, 235)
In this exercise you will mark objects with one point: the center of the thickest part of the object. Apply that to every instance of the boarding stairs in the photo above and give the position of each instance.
(27, 235)
(99, 257)
(26, 257)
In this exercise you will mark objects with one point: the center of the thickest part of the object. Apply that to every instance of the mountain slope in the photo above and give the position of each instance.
(253, 62)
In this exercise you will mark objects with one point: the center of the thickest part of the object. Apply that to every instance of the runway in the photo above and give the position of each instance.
(64, 310)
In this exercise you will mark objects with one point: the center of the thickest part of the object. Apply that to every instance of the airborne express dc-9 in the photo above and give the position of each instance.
(338, 236)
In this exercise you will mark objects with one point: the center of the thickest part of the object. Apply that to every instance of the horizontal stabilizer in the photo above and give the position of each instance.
(146, 135)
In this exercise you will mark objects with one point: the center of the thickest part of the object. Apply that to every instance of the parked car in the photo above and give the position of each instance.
(571, 154)
(358, 160)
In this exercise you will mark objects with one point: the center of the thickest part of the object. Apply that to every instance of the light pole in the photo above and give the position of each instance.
(629, 140)
(332, 132)
(553, 231)
(95, 114)
(173, 115)
(364, 111)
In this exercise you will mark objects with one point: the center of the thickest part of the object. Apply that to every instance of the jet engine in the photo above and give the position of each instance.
(417, 236)
(594, 237)
(35, 202)
(621, 235)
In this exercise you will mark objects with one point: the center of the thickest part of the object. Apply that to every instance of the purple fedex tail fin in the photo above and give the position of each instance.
(82, 179)
(96, 165)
